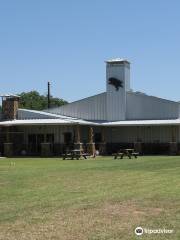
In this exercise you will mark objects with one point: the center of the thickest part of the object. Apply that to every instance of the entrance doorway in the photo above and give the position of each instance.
(34, 142)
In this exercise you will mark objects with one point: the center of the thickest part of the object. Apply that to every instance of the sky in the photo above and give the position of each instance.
(66, 42)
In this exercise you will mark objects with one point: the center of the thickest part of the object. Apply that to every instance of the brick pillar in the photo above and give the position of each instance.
(77, 143)
(8, 149)
(46, 150)
(10, 107)
(173, 148)
(91, 144)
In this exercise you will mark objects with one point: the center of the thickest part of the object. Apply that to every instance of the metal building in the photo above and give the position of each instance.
(116, 118)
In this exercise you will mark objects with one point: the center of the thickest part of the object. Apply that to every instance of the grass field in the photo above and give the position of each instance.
(102, 199)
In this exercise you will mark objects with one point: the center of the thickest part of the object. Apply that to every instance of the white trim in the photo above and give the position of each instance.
(46, 122)
(83, 122)
(143, 123)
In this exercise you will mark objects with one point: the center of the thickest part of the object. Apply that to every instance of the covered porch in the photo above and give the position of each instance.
(53, 137)
(50, 139)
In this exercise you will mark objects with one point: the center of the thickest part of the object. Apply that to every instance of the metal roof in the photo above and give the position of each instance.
(142, 123)
(9, 95)
(45, 122)
(83, 122)
(48, 114)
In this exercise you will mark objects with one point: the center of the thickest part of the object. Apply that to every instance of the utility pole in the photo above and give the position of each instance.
(49, 96)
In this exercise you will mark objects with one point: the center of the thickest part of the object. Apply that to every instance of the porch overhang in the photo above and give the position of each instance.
(166, 122)
(30, 122)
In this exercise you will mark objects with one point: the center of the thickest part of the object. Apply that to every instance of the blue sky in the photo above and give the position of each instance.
(67, 42)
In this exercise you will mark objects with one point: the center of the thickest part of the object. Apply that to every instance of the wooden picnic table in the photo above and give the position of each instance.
(75, 154)
(129, 152)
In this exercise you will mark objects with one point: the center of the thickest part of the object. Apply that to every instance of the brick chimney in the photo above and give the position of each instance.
(10, 106)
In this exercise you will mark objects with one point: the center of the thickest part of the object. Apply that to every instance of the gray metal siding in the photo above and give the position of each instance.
(140, 106)
(148, 134)
(116, 99)
(25, 114)
(56, 130)
(151, 134)
(91, 108)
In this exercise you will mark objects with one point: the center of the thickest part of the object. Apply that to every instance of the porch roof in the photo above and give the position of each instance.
(45, 122)
(143, 122)
(66, 121)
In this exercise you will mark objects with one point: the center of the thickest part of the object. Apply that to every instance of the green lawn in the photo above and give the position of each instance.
(102, 199)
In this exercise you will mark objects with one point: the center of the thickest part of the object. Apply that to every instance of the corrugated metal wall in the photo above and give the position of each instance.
(141, 106)
(151, 134)
(146, 134)
(91, 108)
(25, 114)
(114, 105)
(116, 99)
(58, 132)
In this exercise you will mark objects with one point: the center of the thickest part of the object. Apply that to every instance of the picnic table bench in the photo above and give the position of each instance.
(126, 152)
(75, 154)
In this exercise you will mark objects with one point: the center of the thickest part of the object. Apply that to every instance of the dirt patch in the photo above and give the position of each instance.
(109, 221)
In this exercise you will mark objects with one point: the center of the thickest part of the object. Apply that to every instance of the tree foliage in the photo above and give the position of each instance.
(33, 100)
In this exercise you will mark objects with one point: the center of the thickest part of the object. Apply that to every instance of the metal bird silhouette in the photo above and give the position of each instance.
(115, 82)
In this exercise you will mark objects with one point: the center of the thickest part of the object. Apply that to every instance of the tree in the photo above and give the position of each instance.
(33, 100)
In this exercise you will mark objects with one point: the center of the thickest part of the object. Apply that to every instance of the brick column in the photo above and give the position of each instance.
(91, 144)
(77, 143)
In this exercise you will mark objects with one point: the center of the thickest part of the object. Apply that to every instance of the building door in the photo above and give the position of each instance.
(50, 139)
(34, 141)
(40, 139)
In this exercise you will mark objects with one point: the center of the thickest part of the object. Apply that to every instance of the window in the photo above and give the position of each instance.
(50, 138)
(67, 137)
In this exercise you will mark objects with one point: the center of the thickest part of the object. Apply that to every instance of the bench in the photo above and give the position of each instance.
(121, 155)
(135, 154)
(85, 155)
(73, 155)
(67, 155)
(127, 152)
